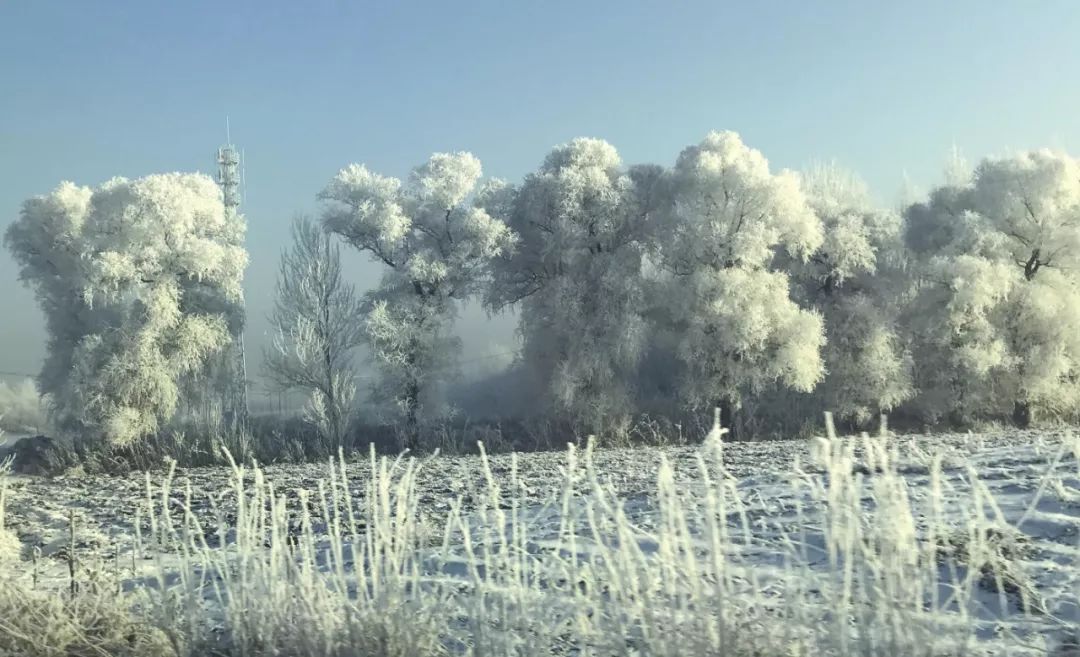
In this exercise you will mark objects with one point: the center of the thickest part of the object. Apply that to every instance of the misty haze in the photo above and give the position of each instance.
(709, 330)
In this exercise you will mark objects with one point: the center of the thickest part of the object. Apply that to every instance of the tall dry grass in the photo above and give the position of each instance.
(856, 568)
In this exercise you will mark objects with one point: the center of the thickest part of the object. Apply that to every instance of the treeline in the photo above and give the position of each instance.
(667, 290)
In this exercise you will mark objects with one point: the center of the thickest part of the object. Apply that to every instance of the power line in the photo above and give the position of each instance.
(450, 368)
(23, 374)
(366, 377)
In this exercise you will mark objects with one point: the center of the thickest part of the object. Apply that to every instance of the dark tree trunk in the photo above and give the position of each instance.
(1031, 267)
(335, 438)
(1023, 415)
(412, 413)
(332, 410)
(727, 419)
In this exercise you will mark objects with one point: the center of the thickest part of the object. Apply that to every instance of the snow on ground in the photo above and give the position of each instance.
(1011, 464)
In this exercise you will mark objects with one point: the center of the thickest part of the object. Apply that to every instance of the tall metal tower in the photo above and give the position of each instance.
(230, 178)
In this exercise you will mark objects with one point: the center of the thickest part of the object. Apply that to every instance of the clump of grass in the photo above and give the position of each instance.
(92, 622)
(279, 585)
(10, 546)
(994, 552)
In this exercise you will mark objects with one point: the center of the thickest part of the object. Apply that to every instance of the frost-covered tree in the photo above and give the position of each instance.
(47, 243)
(737, 329)
(109, 266)
(576, 276)
(437, 247)
(317, 322)
(855, 280)
(997, 319)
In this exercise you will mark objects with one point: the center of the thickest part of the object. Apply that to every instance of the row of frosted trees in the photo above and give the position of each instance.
(717, 281)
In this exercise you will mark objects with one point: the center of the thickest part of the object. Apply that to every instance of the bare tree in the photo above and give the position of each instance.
(317, 319)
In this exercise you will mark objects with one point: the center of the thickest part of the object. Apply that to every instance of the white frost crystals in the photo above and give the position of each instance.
(736, 328)
(317, 328)
(731, 210)
(999, 296)
(437, 248)
(641, 290)
(854, 279)
(576, 276)
(110, 267)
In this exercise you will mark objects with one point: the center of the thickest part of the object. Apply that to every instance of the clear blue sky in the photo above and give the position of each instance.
(89, 90)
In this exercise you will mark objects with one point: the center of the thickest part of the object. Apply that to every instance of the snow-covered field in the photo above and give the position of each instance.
(782, 524)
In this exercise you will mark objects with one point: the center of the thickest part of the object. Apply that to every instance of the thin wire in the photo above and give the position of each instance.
(450, 368)
(6, 373)
(366, 377)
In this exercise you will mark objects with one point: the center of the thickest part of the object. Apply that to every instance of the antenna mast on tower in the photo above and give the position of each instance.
(228, 161)
(230, 178)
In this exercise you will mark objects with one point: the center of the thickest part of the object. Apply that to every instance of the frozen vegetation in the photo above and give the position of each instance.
(22, 410)
(717, 281)
(961, 544)
(648, 296)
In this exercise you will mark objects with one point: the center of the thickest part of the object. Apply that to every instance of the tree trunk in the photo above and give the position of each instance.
(333, 417)
(332, 407)
(412, 413)
(727, 418)
(1023, 414)
(333, 413)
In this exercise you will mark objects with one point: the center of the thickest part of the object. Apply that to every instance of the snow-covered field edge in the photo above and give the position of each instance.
(874, 546)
